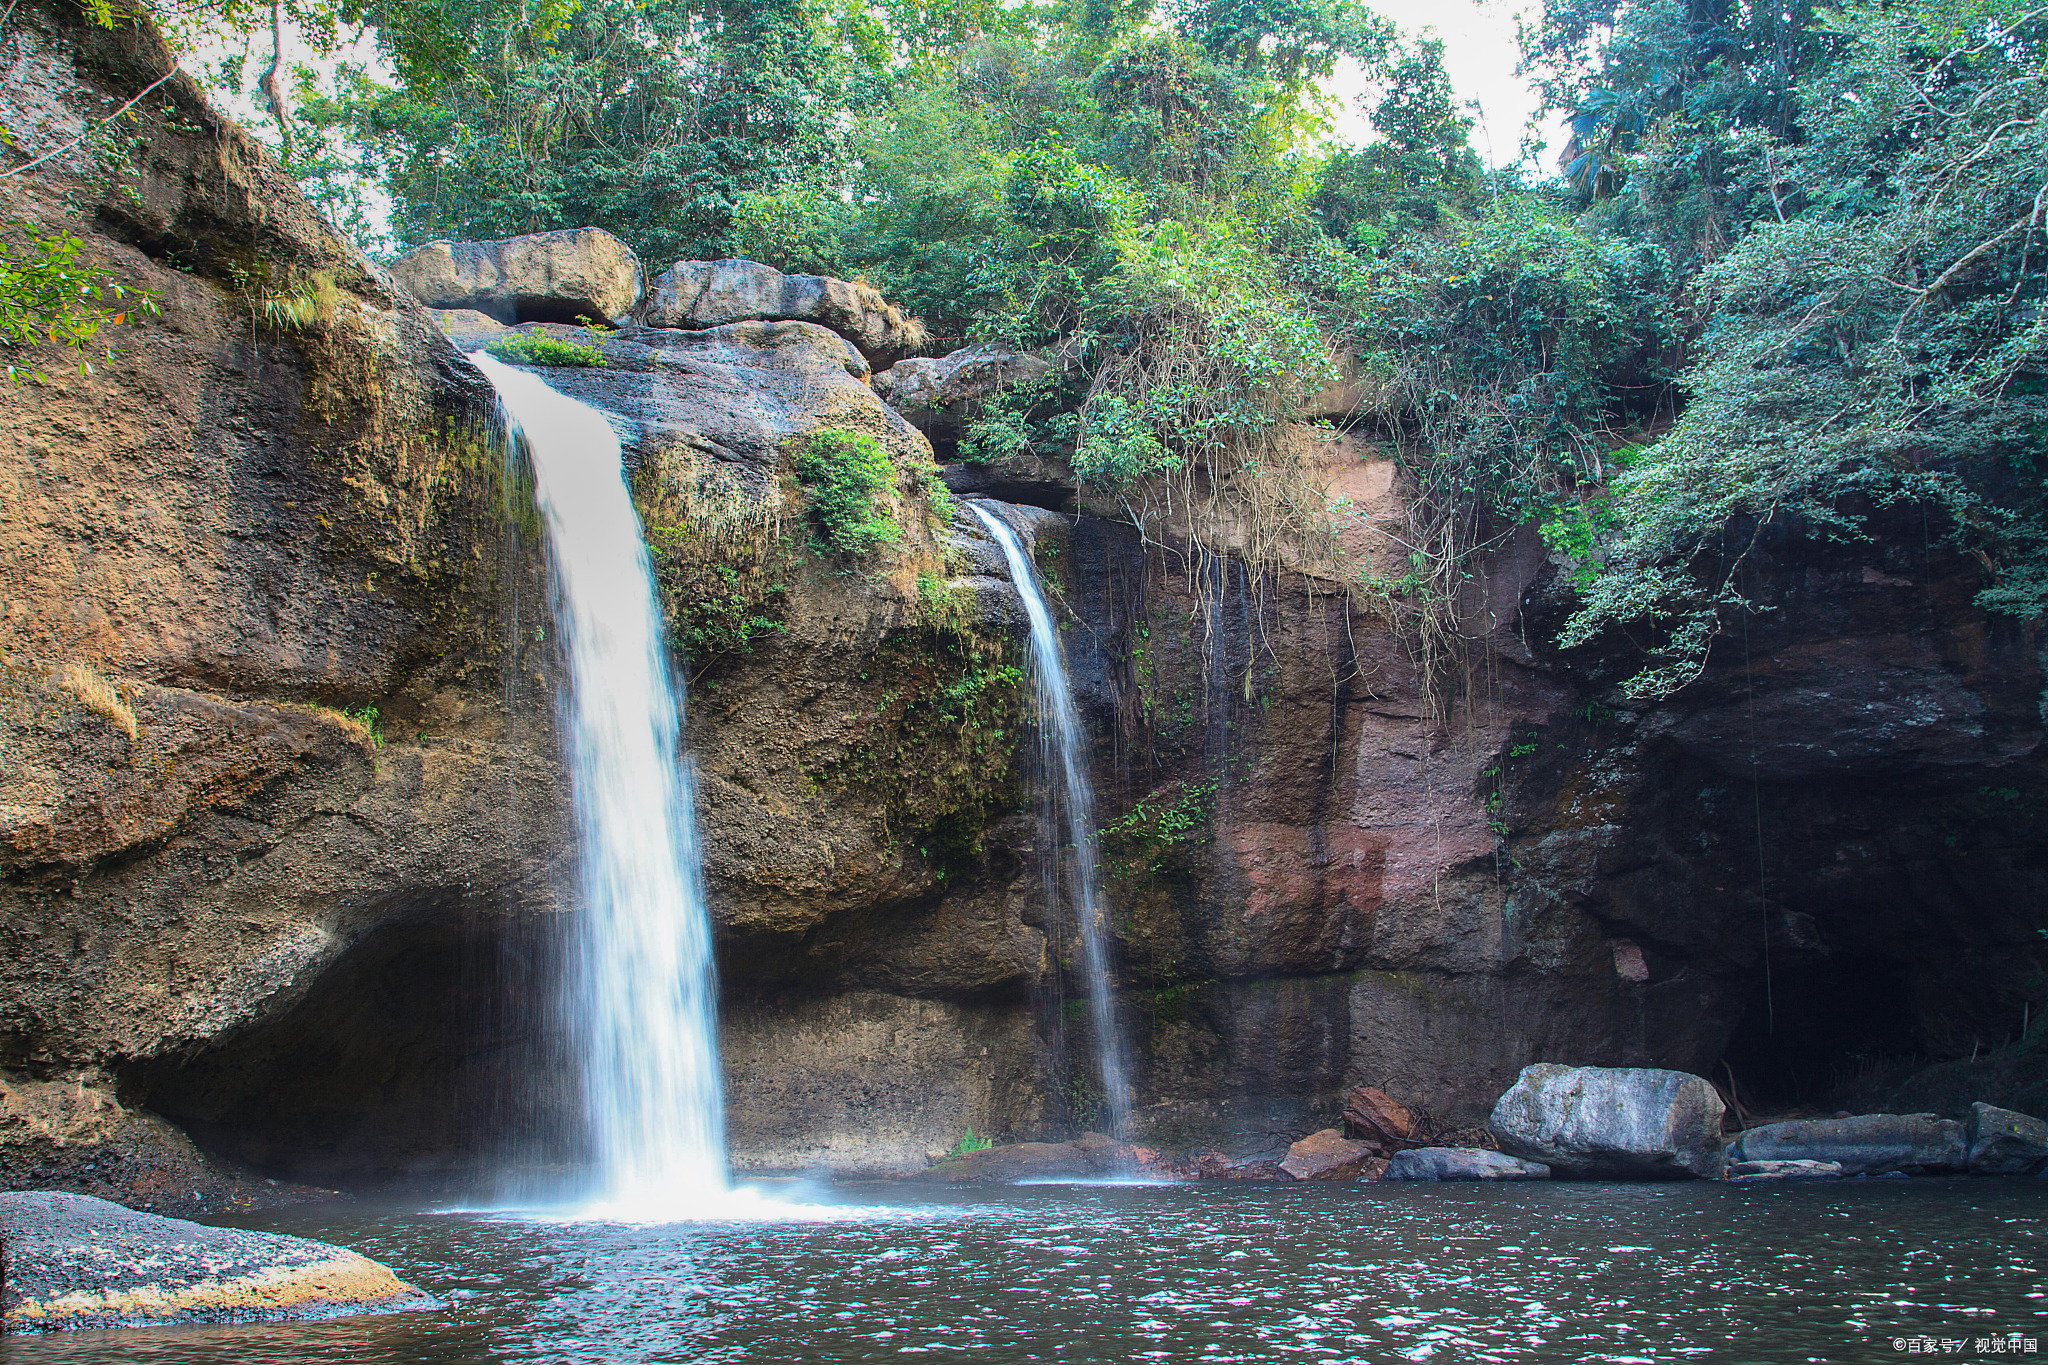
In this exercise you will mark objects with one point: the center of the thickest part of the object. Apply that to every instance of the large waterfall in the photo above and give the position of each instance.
(1059, 739)
(640, 994)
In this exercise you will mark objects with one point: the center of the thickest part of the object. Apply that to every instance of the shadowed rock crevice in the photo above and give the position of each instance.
(426, 1051)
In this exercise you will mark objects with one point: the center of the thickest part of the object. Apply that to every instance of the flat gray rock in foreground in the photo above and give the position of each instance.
(1754, 1172)
(1462, 1163)
(2006, 1143)
(73, 1261)
(1615, 1123)
(1868, 1144)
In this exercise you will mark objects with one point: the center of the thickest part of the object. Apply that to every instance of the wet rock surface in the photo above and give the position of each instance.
(540, 277)
(1462, 1163)
(1612, 1122)
(1866, 1144)
(2002, 1142)
(1090, 1155)
(1759, 1172)
(76, 1262)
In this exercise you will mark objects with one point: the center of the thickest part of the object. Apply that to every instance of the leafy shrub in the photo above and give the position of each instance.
(970, 1141)
(850, 478)
(538, 348)
(49, 295)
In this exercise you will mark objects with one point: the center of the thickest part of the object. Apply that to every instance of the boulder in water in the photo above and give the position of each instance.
(1373, 1116)
(1626, 1123)
(1757, 1172)
(542, 277)
(700, 294)
(2002, 1142)
(73, 1261)
(1462, 1163)
(1328, 1155)
(1090, 1155)
(1866, 1144)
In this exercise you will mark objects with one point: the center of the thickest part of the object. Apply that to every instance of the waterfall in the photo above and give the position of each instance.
(640, 997)
(1059, 740)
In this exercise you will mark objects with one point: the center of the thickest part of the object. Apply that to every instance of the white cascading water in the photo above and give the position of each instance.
(641, 1000)
(1059, 738)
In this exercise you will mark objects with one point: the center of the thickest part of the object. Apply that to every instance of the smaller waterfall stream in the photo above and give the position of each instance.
(1059, 738)
(641, 1000)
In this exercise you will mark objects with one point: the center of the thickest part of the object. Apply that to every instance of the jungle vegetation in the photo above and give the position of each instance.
(1788, 264)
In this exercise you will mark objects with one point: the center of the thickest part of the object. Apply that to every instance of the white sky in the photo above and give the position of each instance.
(1479, 53)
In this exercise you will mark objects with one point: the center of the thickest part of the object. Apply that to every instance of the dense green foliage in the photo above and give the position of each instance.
(538, 348)
(1792, 263)
(851, 480)
(51, 295)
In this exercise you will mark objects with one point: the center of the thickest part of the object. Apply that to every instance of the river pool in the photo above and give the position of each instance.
(1209, 1272)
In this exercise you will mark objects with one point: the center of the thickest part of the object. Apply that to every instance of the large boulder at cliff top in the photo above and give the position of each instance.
(1329, 1155)
(698, 294)
(1462, 1163)
(1615, 1123)
(1867, 1144)
(541, 277)
(2005, 1143)
(941, 394)
(78, 1262)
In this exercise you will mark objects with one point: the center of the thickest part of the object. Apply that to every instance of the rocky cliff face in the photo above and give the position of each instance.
(322, 946)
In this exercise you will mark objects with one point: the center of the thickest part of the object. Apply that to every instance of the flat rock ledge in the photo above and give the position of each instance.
(1462, 1163)
(72, 1261)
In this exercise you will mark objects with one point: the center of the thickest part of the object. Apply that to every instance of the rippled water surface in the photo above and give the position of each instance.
(1540, 1272)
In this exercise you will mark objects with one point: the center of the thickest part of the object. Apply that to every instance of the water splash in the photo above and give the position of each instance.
(641, 998)
(1059, 738)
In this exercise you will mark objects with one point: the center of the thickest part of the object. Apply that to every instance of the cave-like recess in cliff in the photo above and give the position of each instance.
(424, 1052)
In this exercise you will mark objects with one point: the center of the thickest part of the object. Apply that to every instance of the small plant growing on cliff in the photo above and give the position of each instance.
(98, 696)
(537, 348)
(365, 718)
(971, 1141)
(849, 475)
(49, 296)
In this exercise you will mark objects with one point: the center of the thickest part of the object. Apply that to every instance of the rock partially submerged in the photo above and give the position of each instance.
(1462, 1163)
(541, 277)
(77, 1262)
(1089, 1156)
(2002, 1142)
(1760, 1172)
(1867, 1144)
(1627, 1123)
(1329, 1155)
(700, 294)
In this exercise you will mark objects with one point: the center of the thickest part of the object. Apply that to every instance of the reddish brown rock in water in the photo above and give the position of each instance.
(1373, 1116)
(1328, 1155)
(1214, 1165)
